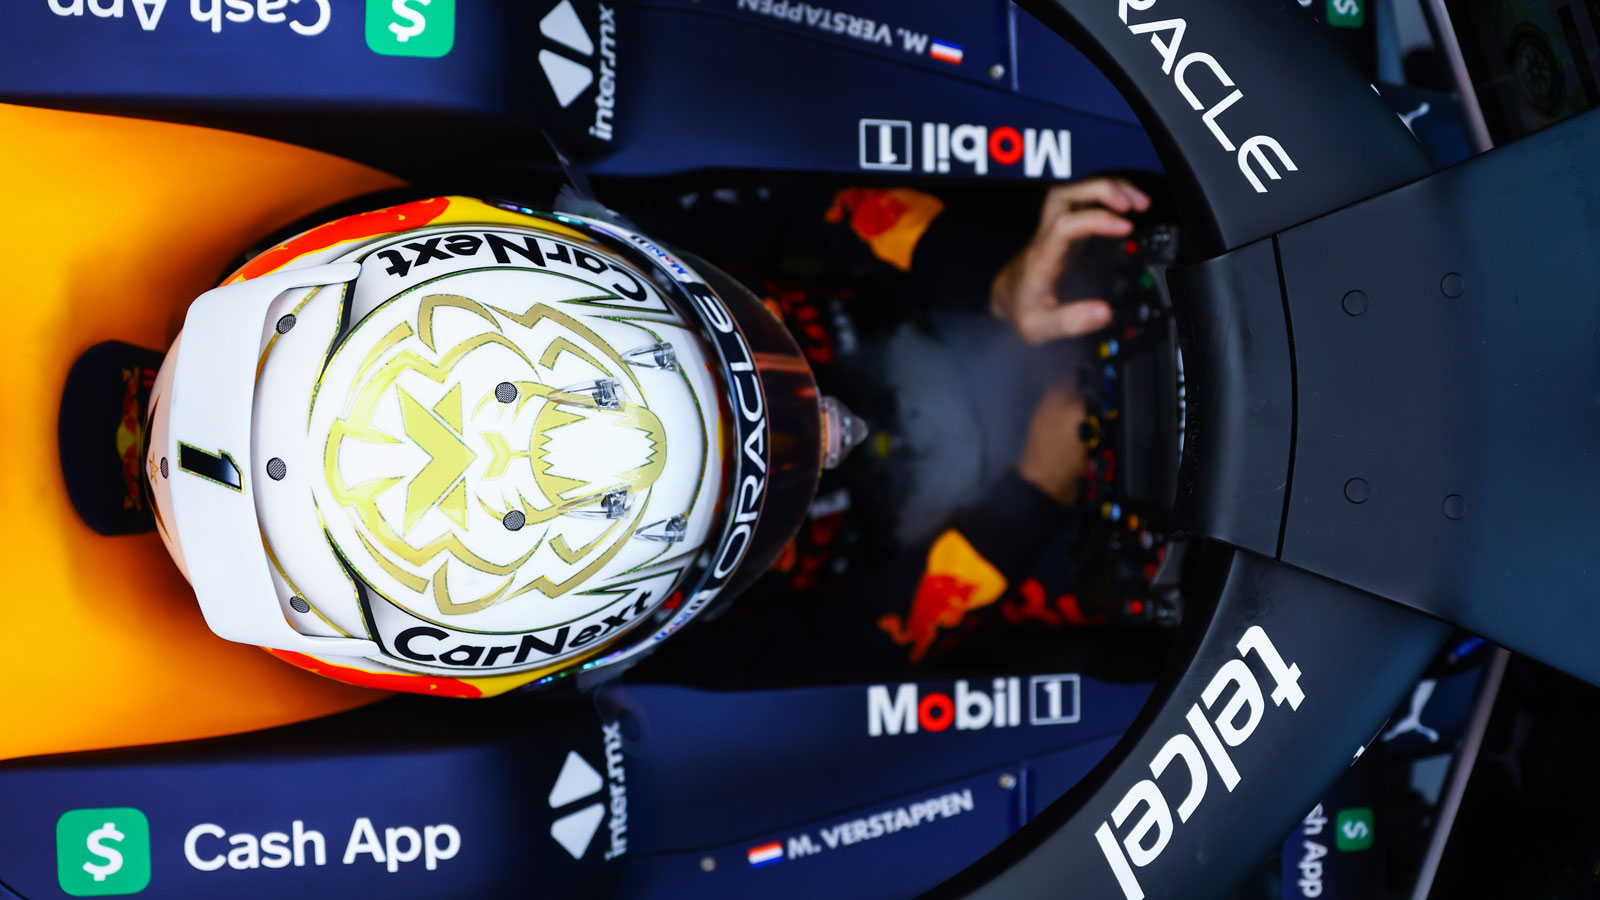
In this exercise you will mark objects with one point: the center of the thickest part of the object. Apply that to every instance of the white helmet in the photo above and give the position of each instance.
(453, 447)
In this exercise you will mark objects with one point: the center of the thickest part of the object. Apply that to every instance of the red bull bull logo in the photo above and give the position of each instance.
(890, 220)
(130, 433)
(956, 581)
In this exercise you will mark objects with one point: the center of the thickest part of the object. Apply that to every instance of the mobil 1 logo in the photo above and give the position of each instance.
(885, 144)
(943, 148)
(908, 709)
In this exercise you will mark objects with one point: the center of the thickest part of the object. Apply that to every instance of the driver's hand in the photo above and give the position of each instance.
(1054, 459)
(1023, 294)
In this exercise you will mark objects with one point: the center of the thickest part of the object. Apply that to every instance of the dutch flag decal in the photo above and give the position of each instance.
(944, 51)
(765, 855)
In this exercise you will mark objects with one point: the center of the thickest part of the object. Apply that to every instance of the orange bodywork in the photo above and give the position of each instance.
(112, 226)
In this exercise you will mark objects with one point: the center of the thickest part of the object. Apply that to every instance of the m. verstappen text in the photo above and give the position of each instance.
(1232, 726)
(877, 825)
(822, 19)
(844, 24)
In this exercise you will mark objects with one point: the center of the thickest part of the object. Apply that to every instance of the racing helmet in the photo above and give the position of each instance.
(456, 447)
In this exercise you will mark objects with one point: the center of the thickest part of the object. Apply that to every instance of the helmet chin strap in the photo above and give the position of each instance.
(577, 196)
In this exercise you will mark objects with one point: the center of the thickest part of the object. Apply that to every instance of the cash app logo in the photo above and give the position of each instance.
(1347, 13)
(411, 27)
(1352, 829)
(100, 852)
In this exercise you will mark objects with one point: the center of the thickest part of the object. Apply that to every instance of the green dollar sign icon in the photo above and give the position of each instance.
(1346, 13)
(411, 27)
(101, 852)
(1352, 829)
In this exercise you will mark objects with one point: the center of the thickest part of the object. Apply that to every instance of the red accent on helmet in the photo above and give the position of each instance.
(387, 681)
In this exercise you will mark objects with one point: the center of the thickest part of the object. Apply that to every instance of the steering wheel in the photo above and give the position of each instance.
(1393, 427)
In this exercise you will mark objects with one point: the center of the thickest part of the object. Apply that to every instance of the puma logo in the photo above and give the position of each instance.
(1413, 721)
